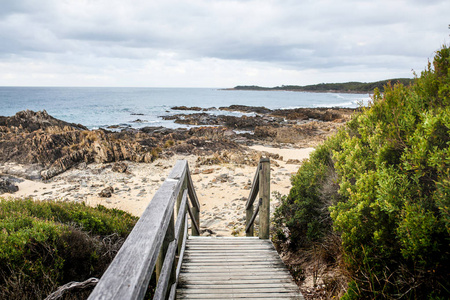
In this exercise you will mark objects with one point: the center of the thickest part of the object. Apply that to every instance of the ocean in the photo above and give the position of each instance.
(140, 107)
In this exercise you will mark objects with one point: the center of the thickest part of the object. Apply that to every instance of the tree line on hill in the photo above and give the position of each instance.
(345, 87)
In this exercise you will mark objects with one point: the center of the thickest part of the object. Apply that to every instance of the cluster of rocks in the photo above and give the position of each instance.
(298, 114)
(36, 138)
(54, 146)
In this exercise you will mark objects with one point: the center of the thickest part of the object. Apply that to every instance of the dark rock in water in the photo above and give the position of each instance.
(106, 192)
(150, 129)
(139, 121)
(194, 108)
(7, 186)
(247, 109)
(120, 167)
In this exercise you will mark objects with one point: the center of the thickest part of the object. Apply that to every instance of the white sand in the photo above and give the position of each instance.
(222, 203)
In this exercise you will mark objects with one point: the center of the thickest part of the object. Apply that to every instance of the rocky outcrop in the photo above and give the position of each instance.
(7, 186)
(37, 138)
(29, 121)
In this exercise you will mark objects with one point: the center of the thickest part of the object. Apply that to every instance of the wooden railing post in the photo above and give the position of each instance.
(264, 195)
(195, 204)
(248, 217)
(178, 203)
(170, 236)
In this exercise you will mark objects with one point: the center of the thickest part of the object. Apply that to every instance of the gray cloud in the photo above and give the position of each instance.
(294, 36)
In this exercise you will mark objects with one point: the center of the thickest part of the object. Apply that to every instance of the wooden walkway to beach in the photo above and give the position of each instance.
(234, 268)
(192, 267)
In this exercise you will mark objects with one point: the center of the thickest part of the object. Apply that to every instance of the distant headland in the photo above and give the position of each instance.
(345, 87)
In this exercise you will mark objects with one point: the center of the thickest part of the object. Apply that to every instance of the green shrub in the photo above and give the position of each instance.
(46, 244)
(304, 212)
(393, 175)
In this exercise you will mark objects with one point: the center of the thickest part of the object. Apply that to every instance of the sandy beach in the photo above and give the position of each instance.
(222, 189)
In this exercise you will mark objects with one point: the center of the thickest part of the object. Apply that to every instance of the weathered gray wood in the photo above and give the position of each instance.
(183, 249)
(128, 275)
(233, 283)
(193, 221)
(186, 278)
(249, 227)
(213, 269)
(287, 295)
(166, 272)
(249, 214)
(195, 203)
(178, 171)
(243, 289)
(181, 216)
(173, 292)
(181, 172)
(155, 233)
(264, 194)
(254, 190)
(192, 193)
(169, 237)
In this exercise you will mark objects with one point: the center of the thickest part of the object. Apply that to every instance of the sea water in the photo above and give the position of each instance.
(140, 107)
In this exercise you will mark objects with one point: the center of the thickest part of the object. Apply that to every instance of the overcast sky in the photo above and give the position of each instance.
(216, 43)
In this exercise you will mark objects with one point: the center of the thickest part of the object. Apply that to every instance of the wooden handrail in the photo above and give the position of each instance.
(261, 186)
(154, 235)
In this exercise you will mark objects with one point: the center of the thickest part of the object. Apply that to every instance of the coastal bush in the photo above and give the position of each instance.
(46, 244)
(304, 212)
(391, 166)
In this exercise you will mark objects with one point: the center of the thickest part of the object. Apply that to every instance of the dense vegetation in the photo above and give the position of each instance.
(383, 185)
(350, 87)
(46, 244)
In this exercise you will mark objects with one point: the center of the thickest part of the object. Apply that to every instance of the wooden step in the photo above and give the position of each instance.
(234, 268)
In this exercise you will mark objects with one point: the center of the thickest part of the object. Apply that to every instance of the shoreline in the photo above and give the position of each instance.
(222, 189)
(68, 162)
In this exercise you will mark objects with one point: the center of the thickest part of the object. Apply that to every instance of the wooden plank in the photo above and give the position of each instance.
(181, 215)
(234, 269)
(224, 241)
(166, 272)
(183, 250)
(202, 277)
(194, 251)
(169, 237)
(242, 290)
(264, 194)
(233, 248)
(254, 190)
(193, 220)
(251, 258)
(128, 275)
(191, 189)
(287, 295)
(195, 203)
(234, 265)
(178, 171)
(244, 258)
(221, 238)
(236, 284)
(200, 240)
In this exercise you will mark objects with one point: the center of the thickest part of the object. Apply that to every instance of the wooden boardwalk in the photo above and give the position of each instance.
(234, 268)
(197, 267)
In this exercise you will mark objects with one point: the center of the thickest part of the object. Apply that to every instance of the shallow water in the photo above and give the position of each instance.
(140, 107)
